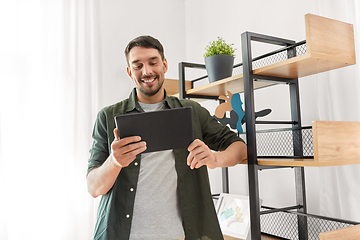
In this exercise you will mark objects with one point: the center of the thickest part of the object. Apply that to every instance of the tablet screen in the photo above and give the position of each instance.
(161, 130)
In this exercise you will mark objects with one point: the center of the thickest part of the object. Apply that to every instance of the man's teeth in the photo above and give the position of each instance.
(149, 80)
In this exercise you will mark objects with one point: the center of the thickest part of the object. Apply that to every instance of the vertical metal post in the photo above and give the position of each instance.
(225, 180)
(182, 91)
(301, 200)
(224, 171)
(251, 136)
(291, 52)
(298, 151)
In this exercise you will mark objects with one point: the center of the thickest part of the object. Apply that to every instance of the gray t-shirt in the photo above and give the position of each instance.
(156, 213)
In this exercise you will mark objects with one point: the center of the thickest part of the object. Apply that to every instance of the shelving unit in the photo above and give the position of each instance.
(329, 45)
(326, 150)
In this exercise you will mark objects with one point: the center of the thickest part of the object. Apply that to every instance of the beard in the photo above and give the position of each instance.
(153, 90)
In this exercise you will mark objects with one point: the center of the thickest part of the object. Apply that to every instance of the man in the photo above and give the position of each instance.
(161, 195)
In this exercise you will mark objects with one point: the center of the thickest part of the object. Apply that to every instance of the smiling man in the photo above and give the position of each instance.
(147, 69)
(160, 195)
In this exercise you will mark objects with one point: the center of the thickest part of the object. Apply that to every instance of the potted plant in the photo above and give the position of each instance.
(219, 59)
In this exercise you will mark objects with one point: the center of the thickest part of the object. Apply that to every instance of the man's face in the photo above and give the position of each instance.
(147, 70)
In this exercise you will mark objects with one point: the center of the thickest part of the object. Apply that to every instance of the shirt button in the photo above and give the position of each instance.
(131, 189)
(127, 216)
(135, 163)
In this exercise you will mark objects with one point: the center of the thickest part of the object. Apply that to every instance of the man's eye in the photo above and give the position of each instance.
(153, 63)
(137, 67)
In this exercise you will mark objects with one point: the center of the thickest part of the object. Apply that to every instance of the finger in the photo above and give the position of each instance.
(196, 160)
(194, 153)
(127, 154)
(191, 147)
(198, 157)
(200, 163)
(116, 134)
(189, 158)
(125, 141)
(196, 143)
(128, 140)
(134, 147)
(193, 163)
(126, 145)
(195, 148)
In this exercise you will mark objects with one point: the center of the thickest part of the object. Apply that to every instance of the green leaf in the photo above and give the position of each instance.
(219, 47)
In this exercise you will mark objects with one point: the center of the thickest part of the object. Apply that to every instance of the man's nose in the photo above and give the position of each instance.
(147, 70)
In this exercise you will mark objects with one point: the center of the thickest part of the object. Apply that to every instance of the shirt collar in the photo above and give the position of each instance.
(134, 104)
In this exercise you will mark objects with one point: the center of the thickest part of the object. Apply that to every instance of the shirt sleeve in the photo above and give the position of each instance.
(99, 151)
(217, 136)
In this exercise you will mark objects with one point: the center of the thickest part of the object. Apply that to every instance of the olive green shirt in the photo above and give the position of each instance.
(196, 204)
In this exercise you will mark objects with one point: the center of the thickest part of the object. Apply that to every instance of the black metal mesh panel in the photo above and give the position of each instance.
(237, 70)
(279, 224)
(317, 226)
(274, 58)
(282, 142)
(279, 57)
(285, 225)
(301, 49)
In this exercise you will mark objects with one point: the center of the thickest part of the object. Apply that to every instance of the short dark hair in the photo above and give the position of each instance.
(146, 42)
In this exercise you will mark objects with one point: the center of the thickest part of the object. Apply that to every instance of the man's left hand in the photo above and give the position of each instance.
(200, 155)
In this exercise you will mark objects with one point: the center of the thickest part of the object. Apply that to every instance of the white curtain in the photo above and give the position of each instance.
(48, 103)
(339, 100)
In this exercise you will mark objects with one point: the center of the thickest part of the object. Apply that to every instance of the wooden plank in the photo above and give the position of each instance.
(301, 66)
(330, 37)
(288, 162)
(349, 233)
(263, 237)
(172, 86)
(336, 142)
(234, 84)
(330, 45)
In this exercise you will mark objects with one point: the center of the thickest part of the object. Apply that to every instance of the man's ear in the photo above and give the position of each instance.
(128, 70)
(165, 65)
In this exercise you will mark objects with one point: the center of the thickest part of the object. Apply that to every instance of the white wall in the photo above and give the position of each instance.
(120, 22)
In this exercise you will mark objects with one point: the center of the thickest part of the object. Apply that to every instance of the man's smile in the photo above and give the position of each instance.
(149, 79)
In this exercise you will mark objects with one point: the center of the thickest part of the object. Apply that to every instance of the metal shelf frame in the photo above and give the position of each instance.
(249, 78)
(303, 219)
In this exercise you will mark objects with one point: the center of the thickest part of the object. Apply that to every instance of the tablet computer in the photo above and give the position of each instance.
(161, 130)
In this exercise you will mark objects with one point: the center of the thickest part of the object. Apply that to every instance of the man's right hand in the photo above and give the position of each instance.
(124, 151)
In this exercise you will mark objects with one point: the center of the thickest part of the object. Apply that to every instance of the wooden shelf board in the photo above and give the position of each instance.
(302, 162)
(234, 84)
(304, 65)
(349, 233)
(335, 143)
(300, 66)
(172, 86)
(286, 162)
(263, 237)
